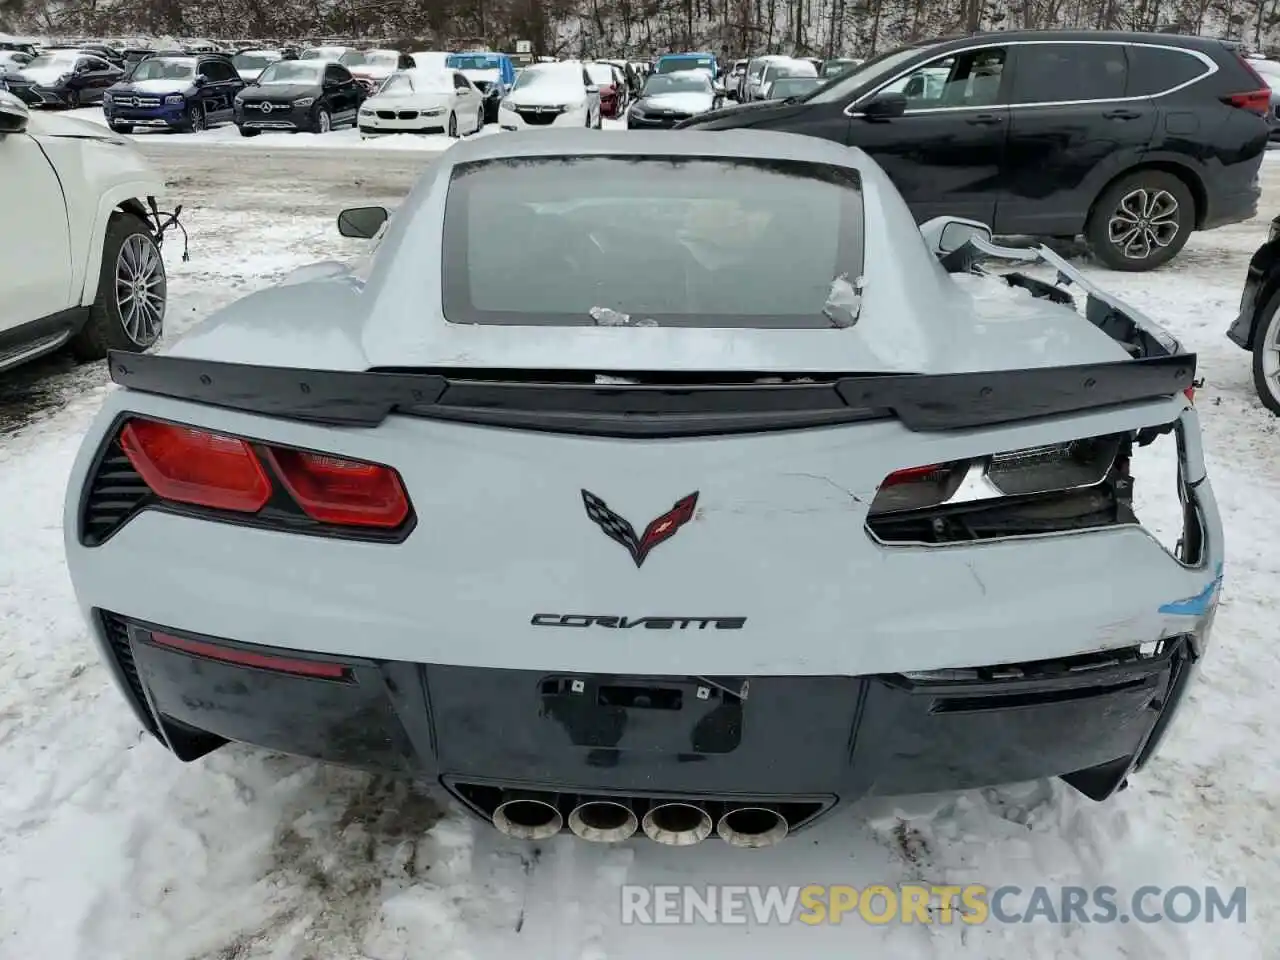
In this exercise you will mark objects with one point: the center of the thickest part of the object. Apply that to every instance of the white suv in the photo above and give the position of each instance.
(80, 256)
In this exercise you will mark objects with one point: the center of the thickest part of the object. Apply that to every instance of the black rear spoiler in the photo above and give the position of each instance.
(674, 405)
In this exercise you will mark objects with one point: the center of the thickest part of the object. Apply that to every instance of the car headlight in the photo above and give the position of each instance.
(507, 105)
(304, 101)
(366, 111)
(106, 97)
(176, 99)
(433, 112)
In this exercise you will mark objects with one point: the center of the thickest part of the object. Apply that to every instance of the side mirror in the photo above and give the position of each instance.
(885, 106)
(13, 114)
(948, 234)
(363, 223)
(592, 88)
(201, 80)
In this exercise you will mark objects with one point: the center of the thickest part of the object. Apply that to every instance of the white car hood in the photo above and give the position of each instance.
(160, 86)
(681, 102)
(407, 100)
(548, 96)
(48, 124)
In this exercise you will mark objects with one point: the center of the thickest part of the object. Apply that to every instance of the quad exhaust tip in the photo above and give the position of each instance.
(677, 824)
(603, 821)
(527, 818)
(752, 827)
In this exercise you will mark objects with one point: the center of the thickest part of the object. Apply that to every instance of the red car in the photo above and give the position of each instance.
(613, 88)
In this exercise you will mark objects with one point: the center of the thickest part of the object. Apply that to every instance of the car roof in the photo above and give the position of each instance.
(1066, 36)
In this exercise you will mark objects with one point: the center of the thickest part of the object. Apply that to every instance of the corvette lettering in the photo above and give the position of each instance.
(630, 623)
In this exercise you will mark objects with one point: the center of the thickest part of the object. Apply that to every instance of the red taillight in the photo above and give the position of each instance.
(334, 490)
(1257, 100)
(1191, 393)
(914, 475)
(195, 466)
(246, 658)
(199, 467)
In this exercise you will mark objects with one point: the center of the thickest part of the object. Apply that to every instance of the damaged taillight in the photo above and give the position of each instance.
(1031, 490)
(203, 468)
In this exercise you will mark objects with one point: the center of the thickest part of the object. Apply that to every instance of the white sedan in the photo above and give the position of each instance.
(423, 101)
(552, 95)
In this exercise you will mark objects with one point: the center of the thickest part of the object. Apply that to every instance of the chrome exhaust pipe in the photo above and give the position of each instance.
(752, 827)
(527, 817)
(677, 824)
(603, 821)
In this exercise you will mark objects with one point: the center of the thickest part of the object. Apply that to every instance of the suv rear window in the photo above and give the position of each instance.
(664, 241)
(1154, 70)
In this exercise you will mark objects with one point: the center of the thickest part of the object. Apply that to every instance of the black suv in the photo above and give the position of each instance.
(1131, 139)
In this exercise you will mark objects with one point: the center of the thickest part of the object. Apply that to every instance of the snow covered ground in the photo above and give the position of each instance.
(227, 135)
(112, 850)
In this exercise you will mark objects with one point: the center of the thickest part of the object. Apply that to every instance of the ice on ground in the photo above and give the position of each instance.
(112, 850)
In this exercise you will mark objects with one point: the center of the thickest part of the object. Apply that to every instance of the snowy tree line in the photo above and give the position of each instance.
(638, 28)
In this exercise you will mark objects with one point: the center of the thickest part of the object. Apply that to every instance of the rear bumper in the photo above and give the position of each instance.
(819, 742)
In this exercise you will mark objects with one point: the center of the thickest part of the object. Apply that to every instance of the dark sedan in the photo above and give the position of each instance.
(312, 96)
(668, 98)
(63, 78)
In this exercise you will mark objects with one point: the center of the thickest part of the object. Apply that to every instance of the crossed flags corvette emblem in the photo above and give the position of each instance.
(659, 530)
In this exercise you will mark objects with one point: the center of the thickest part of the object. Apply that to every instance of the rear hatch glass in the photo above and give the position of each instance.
(659, 241)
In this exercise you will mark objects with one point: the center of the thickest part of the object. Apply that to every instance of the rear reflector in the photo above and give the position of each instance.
(196, 466)
(244, 658)
(915, 475)
(334, 490)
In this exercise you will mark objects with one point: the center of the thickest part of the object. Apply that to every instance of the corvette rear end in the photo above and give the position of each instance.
(609, 555)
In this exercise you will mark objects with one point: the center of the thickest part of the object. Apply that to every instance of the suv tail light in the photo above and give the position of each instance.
(186, 465)
(1257, 100)
(1045, 489)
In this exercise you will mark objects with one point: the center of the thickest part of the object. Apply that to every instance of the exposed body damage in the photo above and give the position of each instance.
(604, 574)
